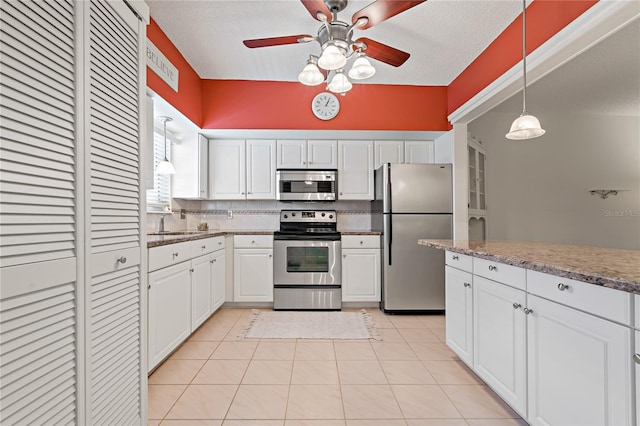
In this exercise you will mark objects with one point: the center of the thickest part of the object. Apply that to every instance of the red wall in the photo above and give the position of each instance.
(236, 104)
(233, 104)
(188, 99)
(544, 19)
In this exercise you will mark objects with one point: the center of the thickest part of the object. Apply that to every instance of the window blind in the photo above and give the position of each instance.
(160, 195)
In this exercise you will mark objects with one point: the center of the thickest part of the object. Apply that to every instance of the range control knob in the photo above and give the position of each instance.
(286, 216)
(293, 214)
(330, 216)
(322, 214)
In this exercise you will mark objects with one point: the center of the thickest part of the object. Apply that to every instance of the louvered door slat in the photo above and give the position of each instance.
(45, 114)
(112, 159)
(43, 411)
(115, 135)
(35, 85)
(56, 13)
(6, 230)
(31, 221)
(38, 101)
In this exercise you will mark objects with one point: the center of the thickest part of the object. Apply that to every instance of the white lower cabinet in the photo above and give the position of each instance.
(253, 268)
(499, 326)
(169, 310)
(579, 367)
(361, 268)
(218, 279)
(200, 290)
(636, 360)
(459, 308)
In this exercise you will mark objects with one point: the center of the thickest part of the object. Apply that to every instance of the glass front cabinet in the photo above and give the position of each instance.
(477, 189)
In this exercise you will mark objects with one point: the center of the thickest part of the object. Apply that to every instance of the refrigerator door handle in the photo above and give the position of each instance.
(388, 194)
(390, 236)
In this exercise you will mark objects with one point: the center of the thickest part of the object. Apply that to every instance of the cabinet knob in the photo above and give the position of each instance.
(219, 243)
(253, 242)
(516, 305)
(361, 242)
(493, 268)
(344, 256)
(204, 247)
(528, 311)
(249, 193)
(270, 255)
(636, 358)
(455, 257)
(212, 261)
(175, 254)
(122, 260)
(562, 287)
(467, 284)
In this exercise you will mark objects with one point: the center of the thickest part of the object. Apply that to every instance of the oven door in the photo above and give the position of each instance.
(307, 262)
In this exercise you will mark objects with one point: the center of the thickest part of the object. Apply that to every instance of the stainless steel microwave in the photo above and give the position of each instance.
(306, 185)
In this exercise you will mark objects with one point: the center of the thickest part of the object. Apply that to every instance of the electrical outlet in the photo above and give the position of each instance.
(229, 214)
(183, 214)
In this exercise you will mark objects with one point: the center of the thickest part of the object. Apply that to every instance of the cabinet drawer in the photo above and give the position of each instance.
(505, 274)
(460, 261)
(206, 246)
(253, 241)
(593, 299)
(163, 256)
(361, 241)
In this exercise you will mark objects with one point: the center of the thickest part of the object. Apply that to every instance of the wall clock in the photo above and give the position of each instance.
(325, 105)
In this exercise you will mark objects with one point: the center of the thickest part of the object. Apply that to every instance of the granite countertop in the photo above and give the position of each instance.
(360, 232)
(614, 268)
(172, 238)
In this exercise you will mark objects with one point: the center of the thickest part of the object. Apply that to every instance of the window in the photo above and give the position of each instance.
(159, 197)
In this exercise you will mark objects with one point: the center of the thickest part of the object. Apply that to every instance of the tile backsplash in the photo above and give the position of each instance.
(254, 214)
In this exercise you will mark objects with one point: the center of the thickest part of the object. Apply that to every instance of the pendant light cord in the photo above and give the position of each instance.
(524, 56)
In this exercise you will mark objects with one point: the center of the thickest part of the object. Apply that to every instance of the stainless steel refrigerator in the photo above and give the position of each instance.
(413, 201)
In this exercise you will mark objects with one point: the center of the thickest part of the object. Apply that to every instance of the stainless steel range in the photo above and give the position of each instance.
(307, 269)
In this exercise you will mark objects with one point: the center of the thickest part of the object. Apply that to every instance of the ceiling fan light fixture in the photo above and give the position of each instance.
(332, 58)
(361, 68)
(311, 75)
(525, 127)
(340, 83)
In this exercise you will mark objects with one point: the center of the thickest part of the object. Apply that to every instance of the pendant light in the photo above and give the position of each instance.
(526, 126)
(165, 167)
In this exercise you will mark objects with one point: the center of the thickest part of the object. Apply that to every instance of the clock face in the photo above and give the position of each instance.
(325, 106)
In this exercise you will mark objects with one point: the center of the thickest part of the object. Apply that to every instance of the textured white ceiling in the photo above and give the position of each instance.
(442, 36)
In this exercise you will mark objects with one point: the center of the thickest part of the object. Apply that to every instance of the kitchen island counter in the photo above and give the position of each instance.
(608, 267)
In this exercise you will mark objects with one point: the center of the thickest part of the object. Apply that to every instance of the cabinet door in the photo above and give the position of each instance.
(360, 275)
(636, 359)
(580, 371)
(388, 152)
(291, 154)
(499, 340)
(261, 170)
(200, 290)
(459, 308)
(191, 160)
(355, 170)
(227, 169)
(322, 154)
(169, 310)
(418, 152)
(218, 279)
(253, 275)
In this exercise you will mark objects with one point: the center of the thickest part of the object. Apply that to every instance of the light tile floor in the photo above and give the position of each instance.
(410, 378)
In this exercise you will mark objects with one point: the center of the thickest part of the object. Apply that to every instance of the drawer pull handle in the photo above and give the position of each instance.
(253, 242)
(516, 305)
(122, 260)
(219, 243)
(175, 254)
(204, 247)
(493, 268)
(467, 285)
(455, 257)
(270, 255)
(528, 311)
(562, 287)
(344, 256)
(361, 242)
(191, 270)
(636, 358)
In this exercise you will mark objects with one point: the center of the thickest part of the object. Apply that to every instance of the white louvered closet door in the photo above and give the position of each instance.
(114, 314)
(38, 201)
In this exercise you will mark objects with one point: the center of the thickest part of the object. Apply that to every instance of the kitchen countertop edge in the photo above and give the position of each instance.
(495, 251)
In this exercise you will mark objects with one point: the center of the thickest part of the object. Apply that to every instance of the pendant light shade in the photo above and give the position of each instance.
(340, 83)
(311, 75)
(526, 126)
(165, 167)
(332, 58)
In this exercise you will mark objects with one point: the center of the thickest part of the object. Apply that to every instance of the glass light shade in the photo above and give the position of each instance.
(340, 83)
(361, 68)
(525, 127)
(310, 75)
(165, 168)
(332, 58)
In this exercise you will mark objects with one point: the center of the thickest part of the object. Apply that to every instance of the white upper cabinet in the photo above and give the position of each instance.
(227, 169)
(403, 152)
(355, 170)
(261, 169)
(307, 154)
(191, 160)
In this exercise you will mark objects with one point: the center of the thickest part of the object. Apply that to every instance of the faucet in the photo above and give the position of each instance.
(161, 225)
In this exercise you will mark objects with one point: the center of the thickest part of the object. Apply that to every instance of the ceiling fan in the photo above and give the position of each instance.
(337, 45)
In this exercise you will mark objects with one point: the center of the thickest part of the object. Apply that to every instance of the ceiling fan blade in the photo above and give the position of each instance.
(383, 53)
(317, 6)
(381, 10)
(278, 41)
